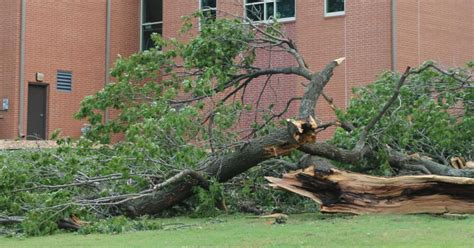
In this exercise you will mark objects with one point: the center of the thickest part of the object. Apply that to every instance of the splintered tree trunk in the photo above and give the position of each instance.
(344, 192)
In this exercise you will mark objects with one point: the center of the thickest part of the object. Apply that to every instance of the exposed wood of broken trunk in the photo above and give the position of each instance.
(344, 192)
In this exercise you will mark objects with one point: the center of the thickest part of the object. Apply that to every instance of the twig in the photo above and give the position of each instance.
(344, 124)
(88, 181)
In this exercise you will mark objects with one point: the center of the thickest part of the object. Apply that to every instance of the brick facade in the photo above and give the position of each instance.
(71, 38)
(71, 35)
(9, 66)
(435, 30)
(61, 35)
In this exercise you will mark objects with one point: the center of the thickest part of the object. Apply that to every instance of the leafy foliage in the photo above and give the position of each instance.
(433, 116)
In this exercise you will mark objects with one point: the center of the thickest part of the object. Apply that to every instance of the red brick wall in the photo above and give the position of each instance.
(125, 28)
(407, 34)
(368, 40)
(65, 35)
(70, 35)
(435, 30)
(9, 66)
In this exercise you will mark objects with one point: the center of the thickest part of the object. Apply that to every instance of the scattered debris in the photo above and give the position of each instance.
(461, 163)
(276, 218)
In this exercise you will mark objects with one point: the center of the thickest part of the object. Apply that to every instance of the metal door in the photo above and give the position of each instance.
(36, 112)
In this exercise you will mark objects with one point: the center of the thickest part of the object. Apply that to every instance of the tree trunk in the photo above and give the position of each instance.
(278, 143)
(344, 192)
(398, 161)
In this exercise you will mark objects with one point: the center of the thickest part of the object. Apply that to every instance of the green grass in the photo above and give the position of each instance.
(307, 230)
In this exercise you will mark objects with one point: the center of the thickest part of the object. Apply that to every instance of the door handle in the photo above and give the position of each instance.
(41, 115)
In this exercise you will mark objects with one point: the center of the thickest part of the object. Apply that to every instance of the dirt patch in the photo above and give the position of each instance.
(26, 144)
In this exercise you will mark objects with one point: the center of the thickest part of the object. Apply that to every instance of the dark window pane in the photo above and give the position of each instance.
(255, 12)
(147, 31)
(334, 6)
(209, 15)
(254, 1)
(285, 8)
(208, 4)
(270, 10)
(152, 11)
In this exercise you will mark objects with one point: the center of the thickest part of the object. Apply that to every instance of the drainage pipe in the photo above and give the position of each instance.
(107, 51)
(394, 35)
(21, 107)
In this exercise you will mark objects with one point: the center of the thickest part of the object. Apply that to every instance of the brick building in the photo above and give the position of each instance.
(55, 52)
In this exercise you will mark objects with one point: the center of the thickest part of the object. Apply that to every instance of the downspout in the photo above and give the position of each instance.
(140, 14)
(107, 51)
(22, 69)
(394, 35)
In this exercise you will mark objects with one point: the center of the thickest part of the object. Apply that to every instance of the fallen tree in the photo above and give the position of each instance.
(178, 107)
(344, 192)
(283, 141)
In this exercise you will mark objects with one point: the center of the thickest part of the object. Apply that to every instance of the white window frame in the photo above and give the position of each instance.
(144, 24)
(264, 2)
(338, 13)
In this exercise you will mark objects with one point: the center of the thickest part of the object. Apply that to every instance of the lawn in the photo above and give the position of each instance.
(306, 230)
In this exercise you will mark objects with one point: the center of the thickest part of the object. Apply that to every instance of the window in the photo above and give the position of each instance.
(64, 80)
(334, 7)
(209, 9)
(264, 10)
(152, 22)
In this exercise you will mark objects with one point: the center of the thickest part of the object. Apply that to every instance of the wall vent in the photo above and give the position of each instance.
(64, 80)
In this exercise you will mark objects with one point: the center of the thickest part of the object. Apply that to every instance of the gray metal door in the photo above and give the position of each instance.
(36, 112)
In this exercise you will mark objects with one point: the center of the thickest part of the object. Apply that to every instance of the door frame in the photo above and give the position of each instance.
(46, 121)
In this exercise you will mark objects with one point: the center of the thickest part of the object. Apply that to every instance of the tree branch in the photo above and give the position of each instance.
(363, 136)
(317, 82)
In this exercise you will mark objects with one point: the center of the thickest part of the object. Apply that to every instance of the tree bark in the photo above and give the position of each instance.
(344, 192)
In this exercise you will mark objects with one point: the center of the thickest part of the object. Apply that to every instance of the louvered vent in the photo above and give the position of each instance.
(64, 80)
